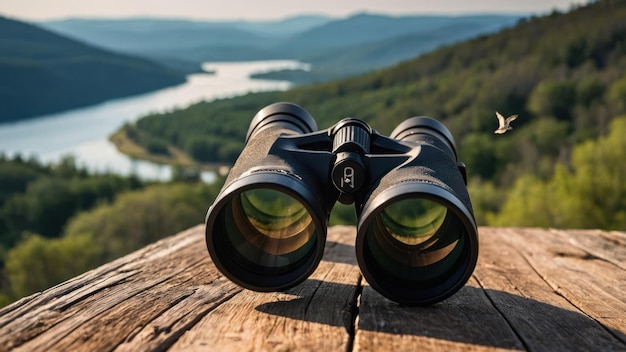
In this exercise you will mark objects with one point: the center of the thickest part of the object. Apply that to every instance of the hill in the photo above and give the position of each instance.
(371, 50)
(43, 72)
(369, 28)
(564, 74)
(188, 40)
(164, 35)
(335, 47)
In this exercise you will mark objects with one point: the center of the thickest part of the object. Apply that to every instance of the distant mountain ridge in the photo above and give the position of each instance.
(176, 37)
(367, 28)
(42, 72)
(323, 41)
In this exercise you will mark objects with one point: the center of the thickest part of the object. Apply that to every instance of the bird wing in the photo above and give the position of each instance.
(511, 118)
(500, 119)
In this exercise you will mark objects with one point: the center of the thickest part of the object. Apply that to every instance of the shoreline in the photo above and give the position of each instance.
(176, 156)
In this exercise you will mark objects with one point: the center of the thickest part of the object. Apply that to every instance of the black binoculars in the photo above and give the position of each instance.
(416, 242)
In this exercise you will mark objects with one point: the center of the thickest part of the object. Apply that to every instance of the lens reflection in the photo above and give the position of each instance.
(270, 228)
(415, 238)
(280, 220)
(415, 249)
(413, 221)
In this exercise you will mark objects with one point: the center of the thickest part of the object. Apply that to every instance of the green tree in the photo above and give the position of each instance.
(157, 146)
(527, 204)
(141, 217)
(553, 98)
(106, 232)
(342, 215)
(590, 90)
(15, 176)
(479, 153)
(486, 199)
(203, 148)
(591, 193)
(617, 94)
(50, 201)
(43, 208)
(38, 263)
(599, 174)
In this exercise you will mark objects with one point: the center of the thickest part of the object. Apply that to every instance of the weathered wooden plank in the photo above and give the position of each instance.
(539, 315)
(528, 312)
(316, 315)
(76, 311)
(609, 246)
(614, 236)
(465, 321)
(532, 289)
(596, 287)
(163, 329)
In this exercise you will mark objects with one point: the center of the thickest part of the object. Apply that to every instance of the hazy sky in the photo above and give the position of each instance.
(268, 9)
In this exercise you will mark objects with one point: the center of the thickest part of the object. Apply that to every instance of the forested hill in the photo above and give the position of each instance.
(42, 72)
(564, 74)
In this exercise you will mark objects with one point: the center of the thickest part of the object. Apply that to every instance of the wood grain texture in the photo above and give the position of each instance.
(533, 289)
(316, 315)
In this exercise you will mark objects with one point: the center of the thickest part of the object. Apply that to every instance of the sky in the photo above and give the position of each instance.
(267, 9)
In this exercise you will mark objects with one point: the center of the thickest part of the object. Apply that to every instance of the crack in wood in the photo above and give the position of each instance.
(351, 327)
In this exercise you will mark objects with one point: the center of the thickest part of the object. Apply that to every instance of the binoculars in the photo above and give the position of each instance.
(416, 241)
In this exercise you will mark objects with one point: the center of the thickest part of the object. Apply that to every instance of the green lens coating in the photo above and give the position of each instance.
(415, 239)
(270, 228)
(274, 213)
(413, 221)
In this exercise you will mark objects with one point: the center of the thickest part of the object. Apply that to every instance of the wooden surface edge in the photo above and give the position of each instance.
(533, 289)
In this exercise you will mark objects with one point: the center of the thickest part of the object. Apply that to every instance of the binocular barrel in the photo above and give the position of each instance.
(416, 240)
(267, 227)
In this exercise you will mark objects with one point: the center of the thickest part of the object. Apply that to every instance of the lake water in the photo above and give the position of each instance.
(83, 133)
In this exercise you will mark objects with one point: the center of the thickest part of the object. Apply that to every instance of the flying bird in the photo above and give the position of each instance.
(504, 123)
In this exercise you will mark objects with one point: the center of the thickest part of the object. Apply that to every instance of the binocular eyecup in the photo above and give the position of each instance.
(416, 241)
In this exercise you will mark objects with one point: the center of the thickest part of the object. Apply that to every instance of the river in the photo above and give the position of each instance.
(83, 133)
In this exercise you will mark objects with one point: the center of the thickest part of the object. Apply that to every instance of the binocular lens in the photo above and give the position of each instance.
(415, 249)
(265, 237)
(268, 230)
(274, 225)
(414, 239)
(413, 221)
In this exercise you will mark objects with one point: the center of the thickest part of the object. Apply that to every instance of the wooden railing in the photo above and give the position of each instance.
(533, 289)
